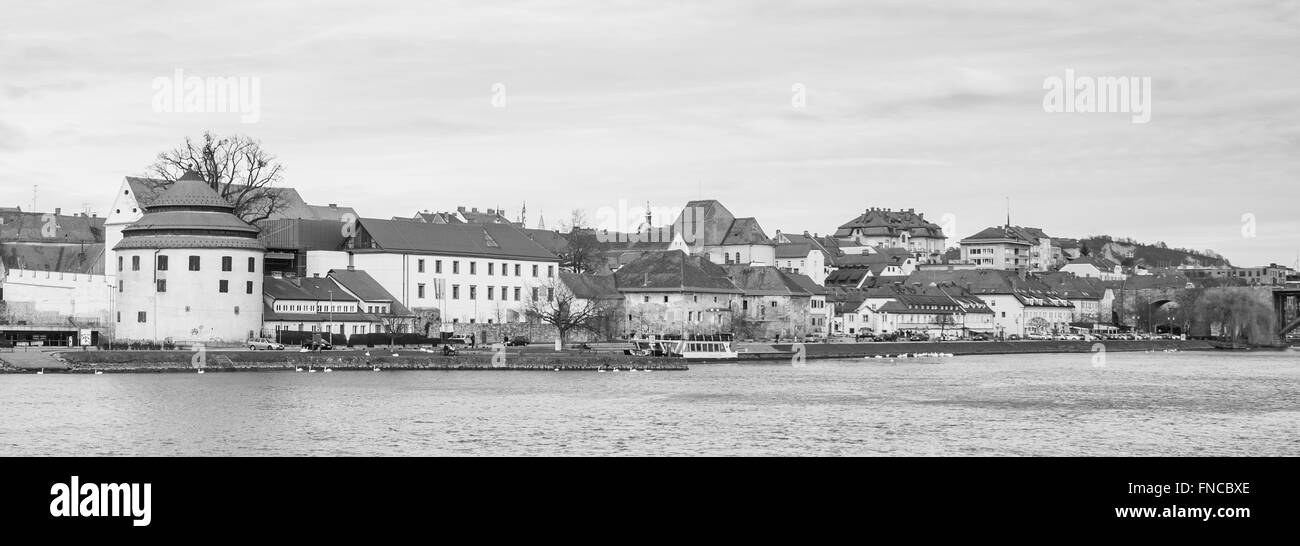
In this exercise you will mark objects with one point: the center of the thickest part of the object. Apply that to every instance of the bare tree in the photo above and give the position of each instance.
(583, 253)
(235, 166)
(577, 220)
(557, 306)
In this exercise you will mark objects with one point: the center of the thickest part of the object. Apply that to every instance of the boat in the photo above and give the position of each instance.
(690, 347)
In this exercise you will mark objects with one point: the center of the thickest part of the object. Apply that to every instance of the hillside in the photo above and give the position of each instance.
(1130, 252)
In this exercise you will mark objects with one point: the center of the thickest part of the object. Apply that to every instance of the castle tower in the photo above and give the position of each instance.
(189, 270)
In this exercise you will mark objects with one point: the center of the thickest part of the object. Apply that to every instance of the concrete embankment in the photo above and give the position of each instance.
(253, 361)
(859, 350)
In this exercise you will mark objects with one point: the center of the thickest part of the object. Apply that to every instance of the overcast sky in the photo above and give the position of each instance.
(387, 107)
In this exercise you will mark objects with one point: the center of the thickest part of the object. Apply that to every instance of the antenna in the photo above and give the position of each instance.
(1008, 211)
(34, 186)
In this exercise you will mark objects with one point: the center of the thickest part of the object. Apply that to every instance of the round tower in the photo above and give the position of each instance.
(189, 270)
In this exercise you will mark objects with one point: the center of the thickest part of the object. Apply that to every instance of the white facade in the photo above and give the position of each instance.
(124, 211)
(464, 289)
(1090, 270)
(59, 294)
(1011, 316)
(740, 254)
(813, 265)
(185, 301)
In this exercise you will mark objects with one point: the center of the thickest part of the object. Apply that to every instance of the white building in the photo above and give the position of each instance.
(710, 230)
(458, 273)
(1099, 268)
(188, 270)
(345, 302)
(903, 228)
(1009, 247)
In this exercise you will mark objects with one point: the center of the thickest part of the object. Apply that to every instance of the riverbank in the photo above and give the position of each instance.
(958, 348)
(282, 361)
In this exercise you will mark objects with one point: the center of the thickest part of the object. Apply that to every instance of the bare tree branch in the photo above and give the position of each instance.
(235, 166)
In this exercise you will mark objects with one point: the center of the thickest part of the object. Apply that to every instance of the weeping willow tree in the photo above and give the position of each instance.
(1236, 314)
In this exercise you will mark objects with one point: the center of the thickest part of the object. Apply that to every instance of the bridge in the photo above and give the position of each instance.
(1286, 303)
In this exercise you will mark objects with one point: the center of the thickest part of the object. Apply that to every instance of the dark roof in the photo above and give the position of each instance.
(888, 222)
(1016, 234)
(793, 250)
(553, 241)
(591, 287)
(362, 284)
(807, 284)
(673, 271)
(30, 227)
(487, 240)
(746, 231)
(847, 277)
(764, 280)
(300, 288)
(1100, 263)
(189, 214)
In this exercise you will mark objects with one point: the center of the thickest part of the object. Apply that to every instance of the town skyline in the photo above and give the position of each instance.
(392, 112)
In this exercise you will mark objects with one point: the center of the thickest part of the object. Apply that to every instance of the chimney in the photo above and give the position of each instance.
(315, 275)
(58, 211)
(474, 209)
(460, 209)
(334, 205)
(351, 267)
(491, 211)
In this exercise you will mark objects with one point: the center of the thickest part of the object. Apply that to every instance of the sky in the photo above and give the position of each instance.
(800, 114)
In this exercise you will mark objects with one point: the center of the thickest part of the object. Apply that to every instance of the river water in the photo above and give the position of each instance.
(1194, 403)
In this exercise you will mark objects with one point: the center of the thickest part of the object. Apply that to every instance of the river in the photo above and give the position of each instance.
(1191, 403)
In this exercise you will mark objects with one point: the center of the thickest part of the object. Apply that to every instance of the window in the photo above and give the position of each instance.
(252, 265)
(491, 267)
(534, 292)
(504, 271)
(419, 266)
(473, 267)
(550, 271)
(227, 263)
(119, 316)
(248, 287)
(437, 266)
(550, 294)
(665, 299)
(162, 263)
(194, 263)
(162, 285)
(455, 267)
(419, 291)
(534, 270)
(646, 299)
(135, 263)
(491, 289)
(504, 293)
(119, 263)
(140, 317)
(517, 266)
(473, 292)
(224, 286)
(744, 305)
(119, 285)
(774, 304)
(455, 291)
(516, 293)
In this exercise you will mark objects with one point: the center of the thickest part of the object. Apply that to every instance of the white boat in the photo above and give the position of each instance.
(690, 347)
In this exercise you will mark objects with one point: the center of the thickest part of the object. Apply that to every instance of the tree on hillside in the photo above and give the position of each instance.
(235, 166)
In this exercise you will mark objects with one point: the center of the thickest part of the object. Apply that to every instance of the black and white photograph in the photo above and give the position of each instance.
(334, 231)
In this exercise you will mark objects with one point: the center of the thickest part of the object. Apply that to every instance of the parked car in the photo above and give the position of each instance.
(1013, 337)
(317, 345)
(918, 337)
(979, 337)
(264, 344)
(517, 341)
(1040, 337)
(463, 339)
